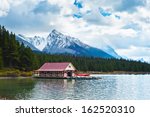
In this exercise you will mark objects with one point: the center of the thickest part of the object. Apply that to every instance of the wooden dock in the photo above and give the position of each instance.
(71, 78)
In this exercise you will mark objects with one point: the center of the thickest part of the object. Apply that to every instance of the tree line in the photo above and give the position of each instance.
(17, 56)
(13, 54)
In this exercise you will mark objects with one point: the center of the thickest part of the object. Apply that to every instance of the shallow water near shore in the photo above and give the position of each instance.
(110, 87)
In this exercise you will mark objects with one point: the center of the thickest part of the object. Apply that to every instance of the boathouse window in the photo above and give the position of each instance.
(50, 73)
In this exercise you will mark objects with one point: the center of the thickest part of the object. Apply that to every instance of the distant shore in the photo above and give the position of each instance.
(116, 72)
(13, 73)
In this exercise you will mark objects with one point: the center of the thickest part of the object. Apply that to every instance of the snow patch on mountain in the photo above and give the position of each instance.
(143, 60)
(37, 41)
(21, 39)
(105, 46)
(110, 50)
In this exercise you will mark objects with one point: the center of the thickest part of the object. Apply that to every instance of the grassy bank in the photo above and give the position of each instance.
(14, 73)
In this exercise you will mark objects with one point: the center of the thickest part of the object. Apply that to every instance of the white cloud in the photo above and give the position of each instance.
(4, 7)
(132, 29)
(136, 53)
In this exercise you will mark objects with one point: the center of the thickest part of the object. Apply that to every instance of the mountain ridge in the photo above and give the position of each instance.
(58, 43)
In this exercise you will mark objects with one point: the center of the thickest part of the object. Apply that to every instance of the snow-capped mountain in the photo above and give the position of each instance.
(21, 39)
(36, 41)
(109, 50)
(57, 43)
(143, 60)
(105, 46)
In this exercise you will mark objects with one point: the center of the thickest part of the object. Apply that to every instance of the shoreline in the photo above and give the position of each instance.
(14, 73)
(89, 72)
(18, 77)
(116, 72)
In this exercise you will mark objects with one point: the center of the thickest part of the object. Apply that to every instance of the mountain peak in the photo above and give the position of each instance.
(59, 36)
(20, 35)
(54, 31)
(60, 44)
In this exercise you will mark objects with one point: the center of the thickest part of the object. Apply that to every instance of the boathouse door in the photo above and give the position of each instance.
(69, 73)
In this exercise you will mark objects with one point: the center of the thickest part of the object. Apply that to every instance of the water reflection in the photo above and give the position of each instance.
(109, 87)
(52, 89)
(15, 88)
(74, 89)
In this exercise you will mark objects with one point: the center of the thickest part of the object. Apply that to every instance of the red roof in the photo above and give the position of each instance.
(61, 66)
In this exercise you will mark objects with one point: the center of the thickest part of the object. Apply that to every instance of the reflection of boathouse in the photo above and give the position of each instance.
(61, 69)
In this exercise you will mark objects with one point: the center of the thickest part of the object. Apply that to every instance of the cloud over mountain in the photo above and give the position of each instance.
(122, 23)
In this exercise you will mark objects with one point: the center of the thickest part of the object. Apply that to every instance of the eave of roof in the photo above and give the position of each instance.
(50, 70)
(58, 66)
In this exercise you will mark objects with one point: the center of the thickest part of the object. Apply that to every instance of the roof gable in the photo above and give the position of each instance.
(58, 66)
(70, 67)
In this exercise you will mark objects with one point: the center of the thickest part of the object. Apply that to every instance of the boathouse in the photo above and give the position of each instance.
(59, 69)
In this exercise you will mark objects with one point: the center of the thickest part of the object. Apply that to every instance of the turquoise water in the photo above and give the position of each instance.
(124, 87)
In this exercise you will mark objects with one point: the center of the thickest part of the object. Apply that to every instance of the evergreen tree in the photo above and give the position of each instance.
(5, 46)
(1, 59)
(0, 36)
(13, 52)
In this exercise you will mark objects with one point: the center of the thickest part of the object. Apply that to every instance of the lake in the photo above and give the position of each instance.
(110, 87)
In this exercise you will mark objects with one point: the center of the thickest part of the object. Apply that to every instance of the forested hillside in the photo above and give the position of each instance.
(13, 54)
(97, 64)
(16, 55)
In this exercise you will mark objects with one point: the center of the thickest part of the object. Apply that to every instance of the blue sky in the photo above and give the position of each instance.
(123, 24)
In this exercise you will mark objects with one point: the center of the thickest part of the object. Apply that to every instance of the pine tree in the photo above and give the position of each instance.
(13, 52)
(0, 36)
(5, 46)
(1, 59)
